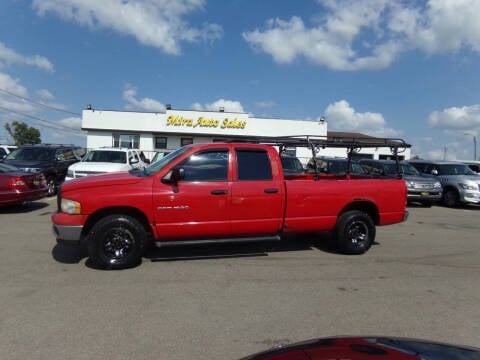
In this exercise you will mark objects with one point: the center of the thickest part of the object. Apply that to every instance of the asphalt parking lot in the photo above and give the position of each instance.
(421, 279)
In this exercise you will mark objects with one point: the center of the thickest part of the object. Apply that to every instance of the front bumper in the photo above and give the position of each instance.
(424, 196)
(470, 197)
(66, 234)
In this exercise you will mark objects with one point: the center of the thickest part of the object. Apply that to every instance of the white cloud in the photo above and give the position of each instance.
(265, 104)
(10, 102)
(9, 57)
(371, 34)
(466, 117)
(157, 23)
(147, 104)
(44, 94)
(228, 105)
(343, 117)
(72, 122)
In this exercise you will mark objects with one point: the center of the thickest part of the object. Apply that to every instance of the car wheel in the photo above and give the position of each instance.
(354, 232)
(52, 186)
(116, 242)
(450, 198)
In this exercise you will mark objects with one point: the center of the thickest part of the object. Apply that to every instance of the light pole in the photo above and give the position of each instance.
(474, 145)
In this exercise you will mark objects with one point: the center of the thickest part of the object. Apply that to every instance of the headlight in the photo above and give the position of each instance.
(410, 184)
(437, 185)
(70, 206)
(468, 187)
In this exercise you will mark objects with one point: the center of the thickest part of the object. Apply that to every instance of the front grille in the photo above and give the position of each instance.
(424, 186)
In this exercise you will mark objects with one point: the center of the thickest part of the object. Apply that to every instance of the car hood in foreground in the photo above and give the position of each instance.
(118, 178)
(370, 347)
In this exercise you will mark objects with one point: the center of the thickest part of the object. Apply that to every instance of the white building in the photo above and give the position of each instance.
(165, 131)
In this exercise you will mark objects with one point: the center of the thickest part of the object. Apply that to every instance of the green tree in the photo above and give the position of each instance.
(21, 133)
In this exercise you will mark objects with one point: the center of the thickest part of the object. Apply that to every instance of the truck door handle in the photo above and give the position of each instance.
(271, 191)
(219, 192)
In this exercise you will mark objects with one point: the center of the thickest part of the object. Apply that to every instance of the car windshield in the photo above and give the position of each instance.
(454, 169)
(160, 164)
(31, 154)
(404, 169)
(119, 157)
(292, 164)
(340, 167)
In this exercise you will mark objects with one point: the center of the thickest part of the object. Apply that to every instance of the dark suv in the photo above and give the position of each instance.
(52, 160)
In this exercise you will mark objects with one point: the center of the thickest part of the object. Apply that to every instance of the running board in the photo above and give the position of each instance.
(217, 241)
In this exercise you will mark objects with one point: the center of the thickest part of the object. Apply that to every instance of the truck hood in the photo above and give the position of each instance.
(99, 166)
(102, 180)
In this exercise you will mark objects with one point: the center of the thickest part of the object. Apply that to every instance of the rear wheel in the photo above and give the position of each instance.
(116, 242)
(450, 198)
(354, 232)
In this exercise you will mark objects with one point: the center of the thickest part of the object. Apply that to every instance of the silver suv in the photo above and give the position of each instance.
(421, 188)
(460, 184)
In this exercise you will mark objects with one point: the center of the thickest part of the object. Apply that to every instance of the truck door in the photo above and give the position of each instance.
(257, 194)
(199, 204)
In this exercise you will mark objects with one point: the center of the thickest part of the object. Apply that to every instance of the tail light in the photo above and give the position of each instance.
(17, 183)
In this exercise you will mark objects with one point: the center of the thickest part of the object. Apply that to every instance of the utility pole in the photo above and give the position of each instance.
(474, 145)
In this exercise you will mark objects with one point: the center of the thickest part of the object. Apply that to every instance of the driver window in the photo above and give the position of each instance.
(206, 166)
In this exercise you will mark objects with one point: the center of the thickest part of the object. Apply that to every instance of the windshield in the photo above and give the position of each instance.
(160, 164)
(31, 154)
(455, 169)
(119, 157)
(404, 169)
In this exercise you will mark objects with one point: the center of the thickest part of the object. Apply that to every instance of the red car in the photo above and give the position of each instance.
(17, 187)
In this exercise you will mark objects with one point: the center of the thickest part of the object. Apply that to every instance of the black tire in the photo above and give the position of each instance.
(354, 232)
(450, 198)
(427, 204)
(116, 242)
(52, 186)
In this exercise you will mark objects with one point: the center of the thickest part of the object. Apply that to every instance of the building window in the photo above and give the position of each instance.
(160, 142)
(129, 141)
(186, 141)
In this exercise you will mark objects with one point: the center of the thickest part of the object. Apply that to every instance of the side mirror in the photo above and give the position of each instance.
(434, 172)
(175, 175)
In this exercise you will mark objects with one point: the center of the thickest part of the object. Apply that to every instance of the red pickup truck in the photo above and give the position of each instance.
(220, 192)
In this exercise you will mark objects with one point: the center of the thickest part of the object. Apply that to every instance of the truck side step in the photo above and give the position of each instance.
(216, 241)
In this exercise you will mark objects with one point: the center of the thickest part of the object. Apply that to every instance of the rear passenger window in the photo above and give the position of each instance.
(253, 164)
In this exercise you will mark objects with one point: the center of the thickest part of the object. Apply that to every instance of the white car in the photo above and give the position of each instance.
(107, 160)
(6, 149)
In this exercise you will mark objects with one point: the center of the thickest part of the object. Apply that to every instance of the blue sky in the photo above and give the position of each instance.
(405, 69)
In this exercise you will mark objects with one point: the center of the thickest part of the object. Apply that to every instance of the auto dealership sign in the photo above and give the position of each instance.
(205, 122)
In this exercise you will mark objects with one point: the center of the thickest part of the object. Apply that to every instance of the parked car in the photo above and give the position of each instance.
(421, 188)
(460, 183)
(52, 160)
(6, 149)
(107, 160)
(472, 164)
(159, 155)
(367, 347)
(291, 165)
(17, 187)
(337, 166)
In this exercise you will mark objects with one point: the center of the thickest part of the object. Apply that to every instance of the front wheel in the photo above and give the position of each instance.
(116, 242)
(354, 232)
(450, 198)
(52, 186)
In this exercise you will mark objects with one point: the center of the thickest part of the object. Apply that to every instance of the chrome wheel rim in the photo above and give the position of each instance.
(118, 244)
(358, 233)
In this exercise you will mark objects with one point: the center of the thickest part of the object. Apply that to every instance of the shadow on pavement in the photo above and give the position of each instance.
(23, 208)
